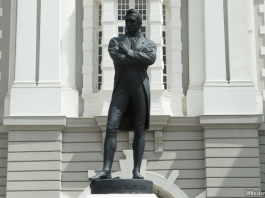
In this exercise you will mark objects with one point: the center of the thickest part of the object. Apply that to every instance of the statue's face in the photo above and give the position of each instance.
(132, 25)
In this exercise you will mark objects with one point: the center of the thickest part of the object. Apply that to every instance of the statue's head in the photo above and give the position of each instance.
(133, 21)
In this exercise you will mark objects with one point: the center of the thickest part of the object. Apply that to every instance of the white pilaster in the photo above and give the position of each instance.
(26, 43)
(240, 55)
(50, 30)
(162, 101)
(25, 57)
(109, 31)
(252, 33)
(88, 47)
(55, 93)
(215, 62)
(156, 28)
(174, 46)
(70, 95)
(214, 42)
(196, 58)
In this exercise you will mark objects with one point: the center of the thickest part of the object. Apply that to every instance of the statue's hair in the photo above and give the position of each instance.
(133, 11)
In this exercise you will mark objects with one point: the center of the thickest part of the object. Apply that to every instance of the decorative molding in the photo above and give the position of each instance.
(251, 121)
(34, 127)
(231, 126)
(131, 137)
(158, 142)
(81, 129)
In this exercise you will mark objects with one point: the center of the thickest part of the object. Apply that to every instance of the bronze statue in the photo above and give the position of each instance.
(129, 109)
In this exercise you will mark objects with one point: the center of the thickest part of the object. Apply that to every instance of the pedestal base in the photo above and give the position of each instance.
(122, 186)
(123, 196)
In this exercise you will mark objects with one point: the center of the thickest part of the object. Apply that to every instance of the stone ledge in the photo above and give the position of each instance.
(248, 121)
(20, 123)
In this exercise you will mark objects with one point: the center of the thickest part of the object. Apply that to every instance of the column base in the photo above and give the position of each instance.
(97, 103)
(166, 103)
(229, 100)
(195, 102)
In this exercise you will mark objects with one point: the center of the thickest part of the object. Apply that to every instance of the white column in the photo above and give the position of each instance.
(239, 48)
(108, 30)
(49, 66)
(196, 58)
(70, 96)
(238, 97)
(25, 58)
(156, 28)
(215, 62)
(89, 42)
(26, 43)
(252, 33)
(12, 55)
(214, 41)
(174, 46)
(164, 102)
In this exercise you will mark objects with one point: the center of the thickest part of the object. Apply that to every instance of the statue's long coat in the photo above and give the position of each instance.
(143, 55)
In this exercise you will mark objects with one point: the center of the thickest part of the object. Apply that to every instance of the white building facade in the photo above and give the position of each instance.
(207, 131)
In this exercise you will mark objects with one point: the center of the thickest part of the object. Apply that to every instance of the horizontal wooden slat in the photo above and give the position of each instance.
(230, 133)
(34, 166)
(233, 182)
(34, 194)
(149, 155)
(3, 163)
(3, 153)
(34, 176)
(228, 192)
(33, 185)
(89, 147)
(182, 145)
(232, 172)
(3, 172)
(232, 152)
(182, 136)
(85, 166)
(190, 183)
(34, 146)
(3, 143)
(218, 143)
(97, 137)
(183, 174)
(28, 136)
(34, 156)
(72, 186)
(232, 162)
(175, 165)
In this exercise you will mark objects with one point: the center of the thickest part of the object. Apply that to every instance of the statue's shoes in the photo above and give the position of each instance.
(137, 175)
(101, 175)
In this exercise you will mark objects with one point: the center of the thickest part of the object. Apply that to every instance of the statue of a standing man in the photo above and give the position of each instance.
(129, 109)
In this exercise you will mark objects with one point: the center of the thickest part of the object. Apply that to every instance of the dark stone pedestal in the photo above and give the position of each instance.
(122, 186)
